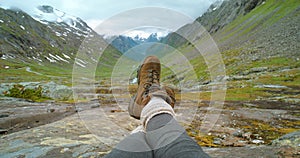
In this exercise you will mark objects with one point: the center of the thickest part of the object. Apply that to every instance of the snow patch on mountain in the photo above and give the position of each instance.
(145, 34)
(80, 62)
(46, 14)
(66, 56)
(216, 5)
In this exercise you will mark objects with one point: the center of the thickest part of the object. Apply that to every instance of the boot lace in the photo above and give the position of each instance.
(153, 78)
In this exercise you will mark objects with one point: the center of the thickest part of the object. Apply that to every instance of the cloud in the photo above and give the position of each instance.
(93, 23)
(148, 17)
(97, 11)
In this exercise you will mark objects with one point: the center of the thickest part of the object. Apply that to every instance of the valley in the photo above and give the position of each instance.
(84, 89)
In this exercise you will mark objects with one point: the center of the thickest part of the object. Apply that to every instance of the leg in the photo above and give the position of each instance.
(167, 138)
(133, 146)
(154, 105)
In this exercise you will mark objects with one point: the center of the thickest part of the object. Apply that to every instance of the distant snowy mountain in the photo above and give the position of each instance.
(151, 38)
(123, 43)
(146, 32)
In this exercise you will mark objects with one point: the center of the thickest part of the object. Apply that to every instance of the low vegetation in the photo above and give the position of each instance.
(19, 91)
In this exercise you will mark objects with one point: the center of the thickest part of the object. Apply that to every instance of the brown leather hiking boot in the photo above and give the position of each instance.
(171, 93)
(148, 81)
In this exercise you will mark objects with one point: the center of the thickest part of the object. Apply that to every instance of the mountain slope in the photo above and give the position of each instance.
(265, 26)
(267, 33)
(218, 15)
(48, 48)
(248, 31)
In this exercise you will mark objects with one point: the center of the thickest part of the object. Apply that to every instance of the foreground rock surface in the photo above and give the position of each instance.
(69, 138)
(291, 139)
(96, 127)
(94, 132)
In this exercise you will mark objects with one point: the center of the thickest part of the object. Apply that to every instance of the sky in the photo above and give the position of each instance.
(94, 12)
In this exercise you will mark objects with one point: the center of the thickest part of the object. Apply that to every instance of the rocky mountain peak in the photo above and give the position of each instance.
(46, 8)
(47, 14)
(224, 12)
(216, 5)
(123, 43)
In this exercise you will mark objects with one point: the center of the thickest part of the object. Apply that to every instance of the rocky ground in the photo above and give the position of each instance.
(92, 129)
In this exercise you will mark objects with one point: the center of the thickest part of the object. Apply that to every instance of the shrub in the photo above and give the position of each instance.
(19, 91)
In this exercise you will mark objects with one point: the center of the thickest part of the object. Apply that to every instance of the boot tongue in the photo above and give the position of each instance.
(154, 87)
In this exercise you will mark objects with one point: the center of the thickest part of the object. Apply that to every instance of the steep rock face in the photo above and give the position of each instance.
(222, 13)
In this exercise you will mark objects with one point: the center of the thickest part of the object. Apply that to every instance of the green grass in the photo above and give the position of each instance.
(234, 65)
(264, 15)
(200, 68)
(58, 72)
(291, 78)
(244, 94)
(276, 62)
(17, 72)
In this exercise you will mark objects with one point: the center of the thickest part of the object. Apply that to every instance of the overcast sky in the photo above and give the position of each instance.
(96, 11)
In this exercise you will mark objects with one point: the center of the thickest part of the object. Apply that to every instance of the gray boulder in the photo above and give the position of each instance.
(291, 139)
(4, 87)
(56, 92)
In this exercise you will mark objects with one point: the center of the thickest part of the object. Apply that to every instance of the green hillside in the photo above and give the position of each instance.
(259, 48)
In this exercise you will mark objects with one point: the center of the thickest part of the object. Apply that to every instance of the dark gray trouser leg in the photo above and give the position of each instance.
(164, 136)
(169, 140)
(133, 146)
